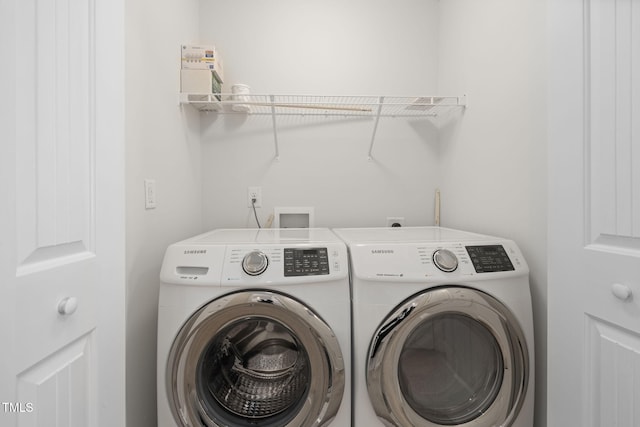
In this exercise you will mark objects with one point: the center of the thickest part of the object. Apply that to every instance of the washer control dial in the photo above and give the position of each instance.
(255, 263)
(445, 260)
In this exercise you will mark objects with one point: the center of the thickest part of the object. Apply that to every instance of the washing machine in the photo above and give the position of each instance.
(442, 328)
(254, 330)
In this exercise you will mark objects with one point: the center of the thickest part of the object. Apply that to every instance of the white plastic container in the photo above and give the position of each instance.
(239, 93)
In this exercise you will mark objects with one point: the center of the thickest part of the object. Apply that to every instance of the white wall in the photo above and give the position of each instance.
(494, 170)
(335, 47)
(490, 165)
(163, 143)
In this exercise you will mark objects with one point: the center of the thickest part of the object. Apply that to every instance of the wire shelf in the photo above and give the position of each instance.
(326, 105)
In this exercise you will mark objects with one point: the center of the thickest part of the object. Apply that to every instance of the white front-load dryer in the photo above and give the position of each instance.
(254, 330)
(442, 328)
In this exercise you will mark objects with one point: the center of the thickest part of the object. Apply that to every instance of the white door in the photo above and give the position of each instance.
(61, 213)
(594, 232)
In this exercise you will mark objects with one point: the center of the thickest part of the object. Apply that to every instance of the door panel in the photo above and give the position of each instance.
(594, 206)
(58, 388)
(62, 228)
(614, 370)
(54, 178)
(613, 99)
(55, 127)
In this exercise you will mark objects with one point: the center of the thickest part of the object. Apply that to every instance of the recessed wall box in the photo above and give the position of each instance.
(293, 217)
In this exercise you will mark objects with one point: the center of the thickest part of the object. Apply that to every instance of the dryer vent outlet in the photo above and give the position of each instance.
(395, 221)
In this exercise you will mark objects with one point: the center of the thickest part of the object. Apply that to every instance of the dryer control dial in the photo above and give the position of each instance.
(255, 263)
(445, 260)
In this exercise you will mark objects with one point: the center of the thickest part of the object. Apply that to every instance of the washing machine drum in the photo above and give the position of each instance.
(258, 359)
(449, 356)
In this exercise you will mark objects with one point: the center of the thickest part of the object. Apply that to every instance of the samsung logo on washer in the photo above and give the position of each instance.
(195, 251)
(382, 251)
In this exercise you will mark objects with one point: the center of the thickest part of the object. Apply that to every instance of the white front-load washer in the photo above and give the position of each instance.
(254, 330)
(442, 328)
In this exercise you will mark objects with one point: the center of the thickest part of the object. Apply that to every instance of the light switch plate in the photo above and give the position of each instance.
(150, 193)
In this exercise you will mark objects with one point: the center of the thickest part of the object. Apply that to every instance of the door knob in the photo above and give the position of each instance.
(68, 306)
(622, 292)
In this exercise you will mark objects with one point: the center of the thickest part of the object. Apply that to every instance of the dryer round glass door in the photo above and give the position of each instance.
(255, 359)
(449, 356)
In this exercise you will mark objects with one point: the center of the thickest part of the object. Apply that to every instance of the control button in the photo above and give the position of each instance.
(445, 260)
(255, 263)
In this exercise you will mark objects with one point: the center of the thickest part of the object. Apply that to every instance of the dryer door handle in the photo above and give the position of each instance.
(388, 328)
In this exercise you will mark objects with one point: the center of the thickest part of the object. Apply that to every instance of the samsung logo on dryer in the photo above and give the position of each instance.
(195, 251)
(382, 251)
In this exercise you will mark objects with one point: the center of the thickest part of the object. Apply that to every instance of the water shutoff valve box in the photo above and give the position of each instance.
(202, 58)
(201, 71)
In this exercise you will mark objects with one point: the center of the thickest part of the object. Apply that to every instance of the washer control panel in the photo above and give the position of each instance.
(265, 257)
(285, 263)
(305, 262)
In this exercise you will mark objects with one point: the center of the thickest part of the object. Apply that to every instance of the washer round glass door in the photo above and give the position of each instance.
(449, 356)
(256, 358)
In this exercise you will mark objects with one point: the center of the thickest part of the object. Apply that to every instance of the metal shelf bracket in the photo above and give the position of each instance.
(375, 126)
(275, 128)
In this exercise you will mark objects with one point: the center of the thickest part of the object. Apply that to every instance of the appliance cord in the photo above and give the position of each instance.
(255, 214)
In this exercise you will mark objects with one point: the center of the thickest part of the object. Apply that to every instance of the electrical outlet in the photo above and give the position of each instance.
(254, 193)
(395, 221)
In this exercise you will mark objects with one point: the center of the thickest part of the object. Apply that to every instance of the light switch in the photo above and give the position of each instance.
(150, 193)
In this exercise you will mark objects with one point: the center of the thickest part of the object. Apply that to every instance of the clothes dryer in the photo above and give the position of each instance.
(442, 329)
(254, 330)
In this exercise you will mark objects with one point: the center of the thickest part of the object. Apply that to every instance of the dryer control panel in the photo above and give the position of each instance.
(440, 261)
(489, 258)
